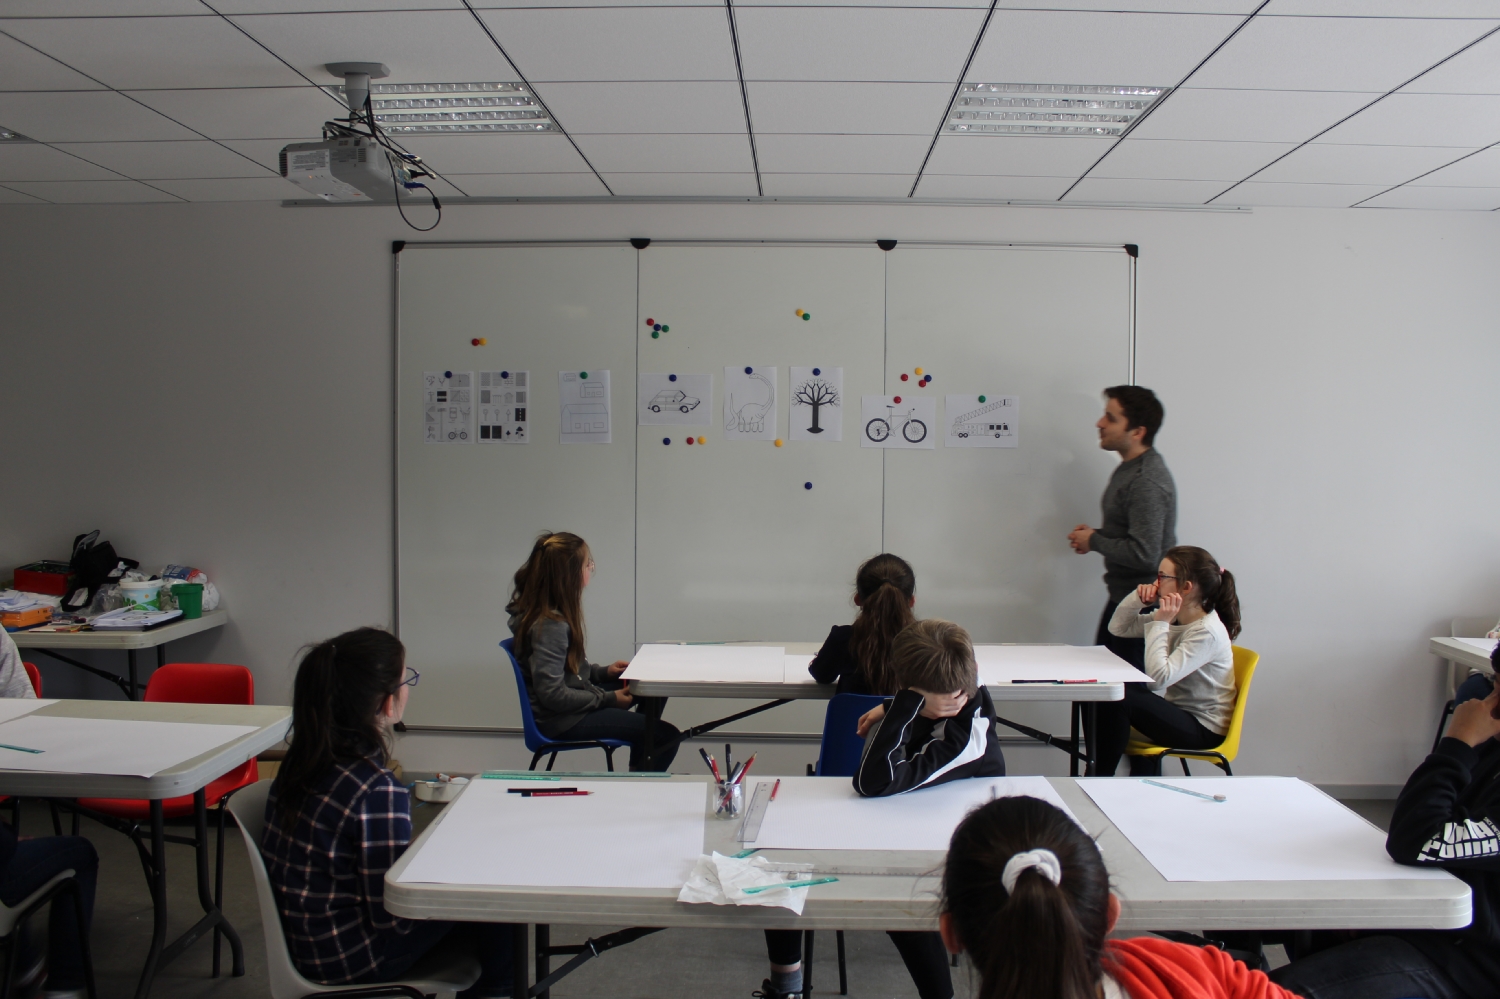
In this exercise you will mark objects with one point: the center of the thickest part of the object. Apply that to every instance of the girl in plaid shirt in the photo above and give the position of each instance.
(337, 820)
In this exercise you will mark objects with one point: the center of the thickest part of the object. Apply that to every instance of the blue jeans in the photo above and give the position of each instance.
(490, 942)
(1380, 967)
(37, 861)
(1475, 688)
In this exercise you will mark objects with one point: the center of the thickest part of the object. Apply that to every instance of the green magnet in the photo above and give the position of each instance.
(655, 335)
(981, 398)
(583, 374)
(806, 316)
(666, 329)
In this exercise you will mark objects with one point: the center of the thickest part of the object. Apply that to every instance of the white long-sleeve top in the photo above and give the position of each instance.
(13, 679)
(1191, 665)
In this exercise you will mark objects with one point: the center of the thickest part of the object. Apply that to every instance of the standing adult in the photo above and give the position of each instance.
(1139, 507)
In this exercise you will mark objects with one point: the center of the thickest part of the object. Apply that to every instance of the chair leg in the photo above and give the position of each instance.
(807, 962)
(219, 884)
(56, 818)
(843, 968)
(1185, 771)
(83, 942)
(1227, 771)
(11, 948)
(551, 760)
(1442, 724)
(534, 758)
(609, 758)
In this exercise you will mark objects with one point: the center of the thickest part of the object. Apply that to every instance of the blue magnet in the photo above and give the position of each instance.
(666, 440)
(747, 371)
(447, 374)
(657, 327)
(671, 378)
(505, 374)
(807, 485)
(817, 371)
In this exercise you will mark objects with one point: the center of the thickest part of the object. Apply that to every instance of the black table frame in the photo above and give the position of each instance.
(129, 686)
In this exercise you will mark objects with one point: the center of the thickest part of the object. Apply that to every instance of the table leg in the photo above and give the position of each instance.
(543, 963)
(807, 964)
(158, 891)
(213, 916)
(520, 981)
(652, 708)
(1073, 757)
(1090, 738)
(135, 688)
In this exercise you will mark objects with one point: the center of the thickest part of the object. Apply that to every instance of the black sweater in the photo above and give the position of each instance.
(907, 751)
(1448, 815)
(835, 663)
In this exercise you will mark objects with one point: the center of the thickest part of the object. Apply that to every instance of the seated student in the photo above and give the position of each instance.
(1026, 894)
(25, 866)
(857, 656)
(1188, 657)
(13, 679)
(1448, 816)
(572, 698)
(337, 820)
(1477, 686)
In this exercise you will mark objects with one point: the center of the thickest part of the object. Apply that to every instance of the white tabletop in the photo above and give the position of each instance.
(999, 665)
(272, 721)
(905, 902)
(1464, 651)
(122, 639)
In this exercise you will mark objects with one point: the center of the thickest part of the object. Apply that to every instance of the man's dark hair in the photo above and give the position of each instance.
(1141, 408)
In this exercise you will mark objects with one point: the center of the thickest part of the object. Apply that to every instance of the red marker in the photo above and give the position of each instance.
(1080, 681)
(554, 794)
(744, 769)
(776, 787)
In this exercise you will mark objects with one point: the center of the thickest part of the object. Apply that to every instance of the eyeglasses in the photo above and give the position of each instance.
(1160, 576)
(411, 681)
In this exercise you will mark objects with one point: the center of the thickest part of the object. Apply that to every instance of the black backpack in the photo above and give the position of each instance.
(92, 565)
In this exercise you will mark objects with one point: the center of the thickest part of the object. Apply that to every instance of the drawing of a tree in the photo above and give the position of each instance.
(817, 393)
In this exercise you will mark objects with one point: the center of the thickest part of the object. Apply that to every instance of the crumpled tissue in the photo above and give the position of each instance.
(721, 880)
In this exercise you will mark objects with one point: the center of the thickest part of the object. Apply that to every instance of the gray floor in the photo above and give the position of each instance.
(668, 965)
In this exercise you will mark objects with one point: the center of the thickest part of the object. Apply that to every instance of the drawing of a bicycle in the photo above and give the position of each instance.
(912, 429)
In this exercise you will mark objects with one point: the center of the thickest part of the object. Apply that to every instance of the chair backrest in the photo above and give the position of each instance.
(535, 741)
(842, 747)
(201, 683)
(1471, 627)
(1245, 661)
(36, 677)
(249, 808)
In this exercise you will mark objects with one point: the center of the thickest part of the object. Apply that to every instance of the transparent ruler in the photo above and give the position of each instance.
(756, 813)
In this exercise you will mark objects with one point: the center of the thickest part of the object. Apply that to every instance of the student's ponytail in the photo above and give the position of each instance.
(885, 586)
(340, 686)
(1215, 586)
(1028, 895)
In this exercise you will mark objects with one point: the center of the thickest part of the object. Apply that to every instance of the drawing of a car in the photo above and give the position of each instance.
(670, 398)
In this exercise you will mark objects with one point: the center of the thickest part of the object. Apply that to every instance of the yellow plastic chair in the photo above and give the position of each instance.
(1245, 661)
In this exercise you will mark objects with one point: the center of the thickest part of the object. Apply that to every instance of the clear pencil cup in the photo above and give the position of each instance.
(729, 801)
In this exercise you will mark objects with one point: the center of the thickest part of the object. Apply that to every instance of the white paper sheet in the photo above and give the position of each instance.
(1008, 663)
(749, 403)
(1267, 829)
(627, 834)
(1485, 645)
(583, 402)
(505, 407)
(983, 421)
(448, 407)
(15, 707)
(675, 399)
(824, 813)
(795, 669)
(721, 880)
(109, 745)
(898, 421)
(817, 409)
(708, 664)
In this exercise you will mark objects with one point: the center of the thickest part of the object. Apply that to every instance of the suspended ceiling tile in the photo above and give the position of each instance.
(1248, 115)
(829, 185)
(419, 46)
(1185, 159)
(685, 154)
(511, 4)
(1016, 155)
(1474, 71)
(1482, 169)
(529, 185)
(849, 108)
(992, 188)
(1147, 192)
(259, 113)
(233, 189)
(856, 44)
(162, 160)
(1334, 53)
(682, 184)
(329, 6)
(1051, 46)
(841, 153)
(91, 192)
(1470, 120)
(643, 108)
(1387, 8)
(981, 4)
(1255, 193)
(617, 43)
(9, 197)
(34, 161)
(1482, 199)
(1323, 163)
(24, 68)
(130, 53)
(461, 154)
(84, 116)
(1241, 7)
(99, 8)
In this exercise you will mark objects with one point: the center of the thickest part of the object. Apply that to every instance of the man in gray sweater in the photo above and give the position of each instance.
(1139, 505)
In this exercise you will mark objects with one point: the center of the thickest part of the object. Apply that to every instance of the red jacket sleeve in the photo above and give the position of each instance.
(1152, 968)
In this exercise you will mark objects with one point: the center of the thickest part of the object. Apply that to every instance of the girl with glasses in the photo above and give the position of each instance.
(1188, 618)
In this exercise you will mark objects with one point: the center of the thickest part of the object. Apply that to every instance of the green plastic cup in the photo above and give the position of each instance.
(189, 598)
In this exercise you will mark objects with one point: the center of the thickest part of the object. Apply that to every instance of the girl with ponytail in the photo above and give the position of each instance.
(1026, 895)
(858, 656)
(1188, 618)
(337, 819)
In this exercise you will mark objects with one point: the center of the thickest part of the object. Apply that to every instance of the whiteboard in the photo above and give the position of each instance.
(722, 541)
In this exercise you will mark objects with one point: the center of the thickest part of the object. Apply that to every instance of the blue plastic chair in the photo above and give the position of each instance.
(538, 743)
(841, 750)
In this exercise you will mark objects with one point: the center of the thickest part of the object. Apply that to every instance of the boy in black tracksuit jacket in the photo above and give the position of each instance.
(941, 727)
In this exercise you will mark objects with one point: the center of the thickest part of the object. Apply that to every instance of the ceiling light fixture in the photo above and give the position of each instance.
(454, 108)
(1048, 108)
(8, 135)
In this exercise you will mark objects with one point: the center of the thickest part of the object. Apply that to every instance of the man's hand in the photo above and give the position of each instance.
(623, 698)
(1146, 594)
(1167, 607)
(1078, 538)
(617, 667)
(937, 706)
(869, 720)
(1474, 722)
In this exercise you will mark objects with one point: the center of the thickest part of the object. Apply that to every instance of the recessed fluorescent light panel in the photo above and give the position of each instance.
(454, 108)
(1048, 108)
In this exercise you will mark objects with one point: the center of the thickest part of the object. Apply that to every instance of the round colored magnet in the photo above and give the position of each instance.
(447, 374)
(903, 377)
(897, 400)
(690, 440)
(671, 378)
(505, 374)
(484, 341)
(747, 371)
(650, 322)
(583, 374)
(817, 372)
(475, 341)
(981, 398)
(917, 370)
(799, 312)
(657, 327)
(655, 335)
(806, 316)
(778, 442)
(665, 328)
(929, 379)
(666, 440)
(702, 440)
(807, 485)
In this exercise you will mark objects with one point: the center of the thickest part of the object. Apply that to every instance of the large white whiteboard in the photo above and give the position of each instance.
(722, 541)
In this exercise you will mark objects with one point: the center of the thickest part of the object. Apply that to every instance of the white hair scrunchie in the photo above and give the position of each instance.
(1044, 861)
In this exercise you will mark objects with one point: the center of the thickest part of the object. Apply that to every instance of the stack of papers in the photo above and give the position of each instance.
(708, 664)
(132, 619)
(16, 601)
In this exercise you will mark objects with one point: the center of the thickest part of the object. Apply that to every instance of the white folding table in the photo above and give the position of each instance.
(1000, 669)
(1470, 652)
(187, 776)
(907, 902)
(54, 643)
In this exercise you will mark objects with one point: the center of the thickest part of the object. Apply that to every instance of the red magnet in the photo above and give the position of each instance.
(898, 400)
(903, 378)
(650, 322)
(474, 342)
(690, 440)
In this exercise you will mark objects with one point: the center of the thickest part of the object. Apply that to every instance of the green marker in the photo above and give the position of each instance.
(513, 775)
(745, 853)
(788, 884)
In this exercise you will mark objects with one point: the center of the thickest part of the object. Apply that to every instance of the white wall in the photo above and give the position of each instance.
(211, 384)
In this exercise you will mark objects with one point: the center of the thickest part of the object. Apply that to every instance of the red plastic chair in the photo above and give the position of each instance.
(188, 683)
(36, 677)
